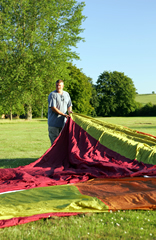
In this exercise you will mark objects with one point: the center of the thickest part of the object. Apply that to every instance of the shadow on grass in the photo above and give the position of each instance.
(42, 120)
(144, 127)
(153, 127)
(16, 162)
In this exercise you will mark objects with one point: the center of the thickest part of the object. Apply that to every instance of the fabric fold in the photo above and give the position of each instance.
(86, 149)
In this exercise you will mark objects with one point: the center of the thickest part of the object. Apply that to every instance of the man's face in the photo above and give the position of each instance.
(59, 87)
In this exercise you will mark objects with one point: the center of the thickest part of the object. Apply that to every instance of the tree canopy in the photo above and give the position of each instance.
(37, 40)
(36, 44)
(80, 89)
(116, 93)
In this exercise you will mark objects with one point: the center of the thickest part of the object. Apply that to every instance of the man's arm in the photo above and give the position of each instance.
(56, 110)
(70, 110)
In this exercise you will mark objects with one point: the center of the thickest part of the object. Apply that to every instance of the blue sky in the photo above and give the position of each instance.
(120, 35)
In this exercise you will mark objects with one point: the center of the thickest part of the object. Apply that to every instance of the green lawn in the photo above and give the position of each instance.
(146, 98)
(22, 142)
(142, 124)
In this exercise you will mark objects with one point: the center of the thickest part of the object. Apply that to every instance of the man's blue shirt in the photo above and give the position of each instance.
(61, 102)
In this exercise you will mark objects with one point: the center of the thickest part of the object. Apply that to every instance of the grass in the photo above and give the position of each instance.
(117, 225)
(142, 124)
(146, 98)
(23, 142)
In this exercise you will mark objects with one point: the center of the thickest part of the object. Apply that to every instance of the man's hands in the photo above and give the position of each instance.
(69, 112)
(56, 110)
(68, 115)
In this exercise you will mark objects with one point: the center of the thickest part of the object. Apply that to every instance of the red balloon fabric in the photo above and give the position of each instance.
(74, 157)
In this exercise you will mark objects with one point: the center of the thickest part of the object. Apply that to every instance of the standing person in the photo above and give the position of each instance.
(59, 102)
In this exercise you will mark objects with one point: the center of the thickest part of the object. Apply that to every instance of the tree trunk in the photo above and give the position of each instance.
(42, 112)
(10, 114)
(29, 112)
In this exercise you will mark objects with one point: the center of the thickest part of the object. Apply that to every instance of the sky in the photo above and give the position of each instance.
(120, 35)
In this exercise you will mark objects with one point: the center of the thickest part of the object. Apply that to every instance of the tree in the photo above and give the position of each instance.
(148, 110)
(79, 87)
(94, 101)
(36, 41)
(116, 93)
(10, 93)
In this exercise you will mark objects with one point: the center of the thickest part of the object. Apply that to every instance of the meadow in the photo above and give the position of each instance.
(22, 142)
(146, 98)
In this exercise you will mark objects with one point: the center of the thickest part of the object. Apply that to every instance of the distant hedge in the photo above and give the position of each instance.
(148, 109)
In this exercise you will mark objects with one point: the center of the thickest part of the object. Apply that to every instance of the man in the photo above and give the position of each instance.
(59, 102)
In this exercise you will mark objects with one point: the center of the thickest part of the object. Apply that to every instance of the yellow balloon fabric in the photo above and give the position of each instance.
(127, 142)
(61, 198)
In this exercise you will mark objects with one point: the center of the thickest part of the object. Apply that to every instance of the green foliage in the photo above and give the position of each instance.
(148, 109)
(80, 89)
(36, 42)
(146, 105)
(116, 93)
(40, 110)
(1, 111)
(94, 101)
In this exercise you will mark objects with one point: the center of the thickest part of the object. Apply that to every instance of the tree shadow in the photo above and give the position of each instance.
(16, 162)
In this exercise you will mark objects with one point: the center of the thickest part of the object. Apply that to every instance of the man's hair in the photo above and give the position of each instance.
(59, 81)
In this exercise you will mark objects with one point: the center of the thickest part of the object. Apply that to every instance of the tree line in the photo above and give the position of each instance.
(37, 39)
(37, 42)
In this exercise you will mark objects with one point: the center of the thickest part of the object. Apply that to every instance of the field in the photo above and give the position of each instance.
(23, 142)
(146, 98)
(142, 124)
